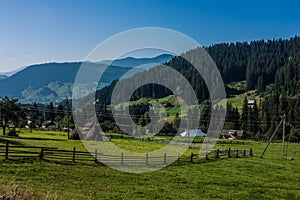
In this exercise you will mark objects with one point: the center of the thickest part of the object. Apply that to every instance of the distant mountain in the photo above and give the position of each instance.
(139, 62)
(7, 74)
(47, 82)
(2, 77)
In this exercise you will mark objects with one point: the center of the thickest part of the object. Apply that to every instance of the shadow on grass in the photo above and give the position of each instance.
(36, 160)
(44, 139)
(70, 163)
(4, 140)
(185, 160)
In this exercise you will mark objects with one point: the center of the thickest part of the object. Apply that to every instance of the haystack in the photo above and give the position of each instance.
(75, 135)
(94, 134)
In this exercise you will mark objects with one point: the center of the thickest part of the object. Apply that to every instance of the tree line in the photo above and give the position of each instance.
(40, 116)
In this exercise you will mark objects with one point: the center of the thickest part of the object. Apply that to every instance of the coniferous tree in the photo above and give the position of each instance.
(297, 113)
(50, 113)
(232, 118)
(244, 116)
(265, 117)
(253, 123)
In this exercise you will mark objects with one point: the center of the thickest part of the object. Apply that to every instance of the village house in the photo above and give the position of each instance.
(233, 134)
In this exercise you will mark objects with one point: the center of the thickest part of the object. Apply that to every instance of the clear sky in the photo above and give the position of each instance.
(36, 31)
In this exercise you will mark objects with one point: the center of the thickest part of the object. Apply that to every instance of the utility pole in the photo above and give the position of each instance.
(31, 119)
(271, 139)
(188, 132)
(283, 136)
(30, 124)
(67, 108)
(283, 122)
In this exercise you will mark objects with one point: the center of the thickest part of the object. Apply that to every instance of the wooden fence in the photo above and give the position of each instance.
(10, 151)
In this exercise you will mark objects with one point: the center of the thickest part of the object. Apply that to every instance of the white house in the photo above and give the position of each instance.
(193, 133)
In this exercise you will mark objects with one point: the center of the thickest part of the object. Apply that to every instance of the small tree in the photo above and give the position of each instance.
(9, 112)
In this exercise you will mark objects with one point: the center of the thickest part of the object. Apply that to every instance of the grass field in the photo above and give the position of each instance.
(227, 178)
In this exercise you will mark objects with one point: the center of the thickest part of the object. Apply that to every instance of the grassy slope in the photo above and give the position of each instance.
(236, 101)
(235, 178)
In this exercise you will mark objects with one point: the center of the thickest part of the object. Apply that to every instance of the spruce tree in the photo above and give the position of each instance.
(244, 116)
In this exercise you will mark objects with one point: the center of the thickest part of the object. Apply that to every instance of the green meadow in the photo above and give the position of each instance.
(224, 178)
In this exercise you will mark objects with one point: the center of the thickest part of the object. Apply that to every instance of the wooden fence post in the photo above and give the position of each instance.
(244, 153)
(96, 156)
(6, 150)
(147, 158)
(74, 150)
(122, 158)
(192, 156)
(206, 152)
(42, 153)
(237, 153)
(217, 153)
(229, 153)
(165, 158)
(250, 152)
(178, 159)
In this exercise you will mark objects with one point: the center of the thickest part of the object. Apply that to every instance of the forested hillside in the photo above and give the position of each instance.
(260, 63)
(256, 62)
(287, 79)
(269, 67)
(269, 71)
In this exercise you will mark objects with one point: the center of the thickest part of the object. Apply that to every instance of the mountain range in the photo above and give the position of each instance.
(47, 82)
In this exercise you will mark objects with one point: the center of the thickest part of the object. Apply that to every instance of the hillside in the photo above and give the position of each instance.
(259, 64)
(265, 71)
(10, 73)
(47, 82)
(135, 62)
(50, 82)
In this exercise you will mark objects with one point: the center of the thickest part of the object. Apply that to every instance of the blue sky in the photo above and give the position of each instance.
(36, 31)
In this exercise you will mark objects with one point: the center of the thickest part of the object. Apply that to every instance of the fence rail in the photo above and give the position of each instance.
(50, 153)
